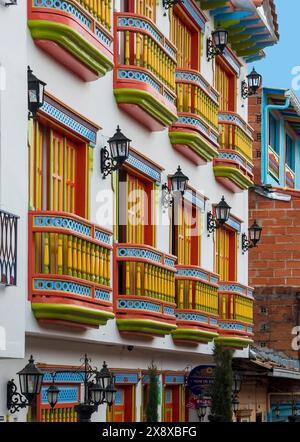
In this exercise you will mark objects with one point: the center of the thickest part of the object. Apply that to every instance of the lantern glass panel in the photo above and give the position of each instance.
(52, 395)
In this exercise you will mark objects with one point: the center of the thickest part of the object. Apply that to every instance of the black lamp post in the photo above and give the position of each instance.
(277, 411)
(221, 217)
(235, 404)
(99, 388)
(119, 152)
(201, 409)
(236, 384)
(254, 83)
(179, 183)
(254, 237)
(167, 4)
(36, 93)
(217, 43)
(30, 379)
(11, 3)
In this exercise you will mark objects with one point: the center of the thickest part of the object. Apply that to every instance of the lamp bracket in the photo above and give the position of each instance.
(211, 50)
(14, 400)
(246, 244)
(108, 165)
(167, 199)
(245, 90)
(211, 223)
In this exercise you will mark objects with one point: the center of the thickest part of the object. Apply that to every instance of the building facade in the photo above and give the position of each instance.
(105, 268)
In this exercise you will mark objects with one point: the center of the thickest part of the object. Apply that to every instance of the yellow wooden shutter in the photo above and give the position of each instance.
(136, 216)
(181, 37)
(146, 8)
(56, 194)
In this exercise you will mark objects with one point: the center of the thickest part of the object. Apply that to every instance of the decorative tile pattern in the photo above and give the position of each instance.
(66, 377)
(181, 316)
(64, 223)
(126, 378)
(214, 279)
(107, 41)
(196, 78)
(138, 305)
(199, 125)
(144, 167)
(66, 7)
(231, 326)
(138, 253)
(213, 321)
(232, 288)
(103, 236)
(169, 97)
(174, 379)
(234, 118)
(194, 273)
(236, 157)
(134, 74)
(169, 262)
(102, 295)
(71, 123)
(169, 310)
(61, 286)
(249, 329)
(67, 395)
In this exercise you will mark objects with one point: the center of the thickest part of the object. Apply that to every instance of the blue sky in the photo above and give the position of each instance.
(282, 58)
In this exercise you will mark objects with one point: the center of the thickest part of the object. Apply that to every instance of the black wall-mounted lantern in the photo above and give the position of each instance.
(217, 43)
(254, 237)
(201, 409)
(11, 3)
(36, 93)
(220, 218)
(30, 379)
(254, 82)
(119, 153)
(178, 187)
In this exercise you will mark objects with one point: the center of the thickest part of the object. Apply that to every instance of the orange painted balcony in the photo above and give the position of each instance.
(69, 270)
(236, 314)
(195, 134)
(233, 167)
(77, 33)
(197, 310)
(144, 74)
(145, 298)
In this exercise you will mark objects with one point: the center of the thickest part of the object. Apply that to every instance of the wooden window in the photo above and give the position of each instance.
(136, 209)
(225, 83)
(186, 37)
(290, 152)
(225, 248)
(273, 133)
(186, 234)
(58, 172)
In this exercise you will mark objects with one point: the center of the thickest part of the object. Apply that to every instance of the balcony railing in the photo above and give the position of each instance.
(197, 308)
(236, 314)
(75, 32)
(69, 269)
(196, 131)
(146, 290)
(233, 167)
(145, 71)
(289, 177)
(8, 248)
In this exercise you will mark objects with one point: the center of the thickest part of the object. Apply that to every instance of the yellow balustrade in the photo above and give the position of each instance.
(143, 279)
(234, 138)
(194, 295)
(138, 48)
(235, 307)
(100, 9)
(64, 414)
(62, 252)
(191, 98)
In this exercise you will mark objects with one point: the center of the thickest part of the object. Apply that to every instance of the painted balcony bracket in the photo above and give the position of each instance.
(233, 167)
(197, 310)
(145, 296)
(195, 133)
(236, 315)
(144, 74)
(69, 270)
(77, 33)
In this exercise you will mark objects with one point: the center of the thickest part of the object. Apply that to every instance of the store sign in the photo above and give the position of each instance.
(201, 379)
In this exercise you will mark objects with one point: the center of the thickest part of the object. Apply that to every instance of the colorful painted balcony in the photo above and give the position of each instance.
(8, 248)
(197, 310)
(69, 270)
(236, 315)
(75, 32)
(144, 76)
(195, 133)
(233, 167)
(145, 297)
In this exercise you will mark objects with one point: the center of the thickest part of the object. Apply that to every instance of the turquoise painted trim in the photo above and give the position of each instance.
(297, 164)
(265, 130)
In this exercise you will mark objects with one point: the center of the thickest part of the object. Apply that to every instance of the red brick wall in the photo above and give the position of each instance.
(274, 270)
